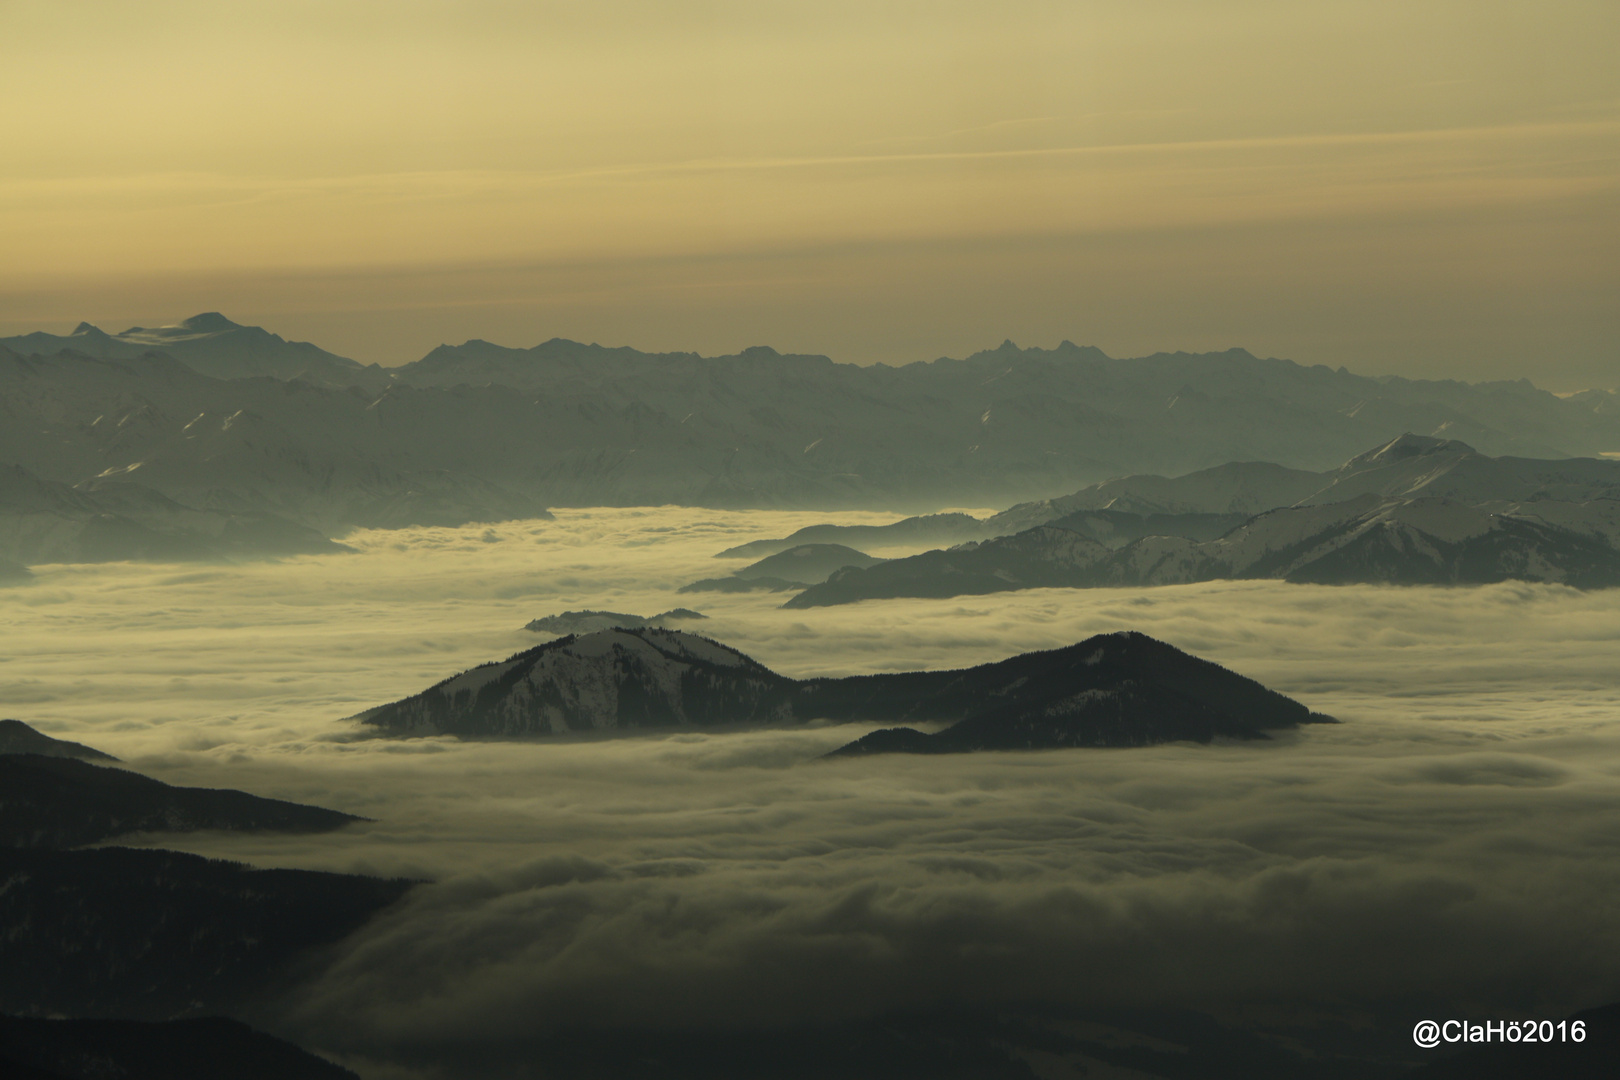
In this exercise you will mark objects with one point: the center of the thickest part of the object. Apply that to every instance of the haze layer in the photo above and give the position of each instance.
(1423, 189)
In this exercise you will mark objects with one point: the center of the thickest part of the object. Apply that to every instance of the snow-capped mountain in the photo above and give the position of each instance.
(636, 679)
(1409, 466)
(1417, 466)
(1367, 539)
(588, 622)
(1374, 539)
(1123, 689)
(212, 345)
(605, 681)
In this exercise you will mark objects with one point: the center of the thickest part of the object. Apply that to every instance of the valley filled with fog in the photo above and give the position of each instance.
(1451, 841)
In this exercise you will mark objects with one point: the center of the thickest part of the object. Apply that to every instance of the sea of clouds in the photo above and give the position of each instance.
(1453, 840)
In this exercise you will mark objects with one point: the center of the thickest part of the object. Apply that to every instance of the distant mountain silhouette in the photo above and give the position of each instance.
(50, 802)
(1410, 466)
(46, 521)
(480, 432)
(647, 679)
(1042, 557)
(327, 459)
(17, 737)
(588, 622)
(32, 1047)
(735, 584)
(212, 345)
(1240, 488)
(793, 568)
(927, 529)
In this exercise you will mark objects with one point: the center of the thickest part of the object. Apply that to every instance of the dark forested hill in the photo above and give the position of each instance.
(17, 737)
(155, 934)
(34, 1048)
(55, 801)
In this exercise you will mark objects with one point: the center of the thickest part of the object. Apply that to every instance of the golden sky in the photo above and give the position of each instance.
(1430, 188)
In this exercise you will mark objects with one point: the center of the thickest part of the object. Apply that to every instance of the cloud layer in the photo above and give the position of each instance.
(1453, 840)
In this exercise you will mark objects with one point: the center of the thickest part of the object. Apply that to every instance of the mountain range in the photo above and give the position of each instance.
(48, 521)
(1413, 511)
(226, 419)
(952, 528)
(212, 345)
(1111, 690)
(794, 568)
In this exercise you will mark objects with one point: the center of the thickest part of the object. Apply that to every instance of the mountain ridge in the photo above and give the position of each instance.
(654, 679)
(1364, 540)
(480, 432)
(61, 800)
(17, 737)
(212, 345)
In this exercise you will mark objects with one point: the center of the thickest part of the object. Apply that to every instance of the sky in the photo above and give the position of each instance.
(1454, 835)
(1423, 188)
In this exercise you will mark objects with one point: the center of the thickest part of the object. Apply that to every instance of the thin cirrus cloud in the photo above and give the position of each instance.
(316, 163)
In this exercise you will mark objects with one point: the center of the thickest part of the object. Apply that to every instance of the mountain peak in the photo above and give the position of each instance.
(210, 322)
(206, 324)
(1410, 446)
(88, 328)
(608, 679)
